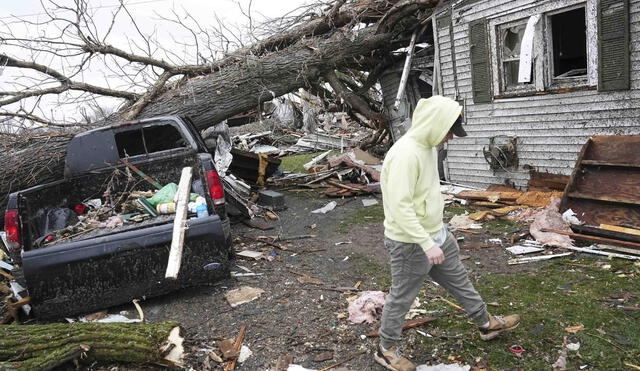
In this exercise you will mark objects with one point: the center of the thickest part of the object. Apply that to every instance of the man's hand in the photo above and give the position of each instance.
(435, 255)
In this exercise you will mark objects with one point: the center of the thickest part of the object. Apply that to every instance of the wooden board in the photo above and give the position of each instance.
(547, 180)
(621, 149)
(605, 185)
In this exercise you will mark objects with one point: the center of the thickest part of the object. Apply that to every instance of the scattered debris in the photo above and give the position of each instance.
(366, 202)
(245, 353)
(520, 249)
(325, 209)
(536, 258)
(367, 307)
(463, 222)
(574, 329)
(444, 367)
(416, 322)
(250, 254)
(550, 218)
(242, 295)
(324, 356)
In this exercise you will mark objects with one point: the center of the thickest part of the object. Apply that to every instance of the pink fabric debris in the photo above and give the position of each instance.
(367, 308)
(550, 218)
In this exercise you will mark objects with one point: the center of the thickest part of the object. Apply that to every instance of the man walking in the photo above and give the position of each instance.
(415, 236)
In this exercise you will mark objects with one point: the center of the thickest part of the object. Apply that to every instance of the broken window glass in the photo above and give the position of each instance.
(130, 143)
(569, 43)
(150, 139)
(162, 138)
(511, 41)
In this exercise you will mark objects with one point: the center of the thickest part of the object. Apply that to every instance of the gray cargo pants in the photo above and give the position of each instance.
(409, 268)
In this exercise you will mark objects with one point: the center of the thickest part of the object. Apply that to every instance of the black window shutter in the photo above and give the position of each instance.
(613, 45)
(479, 54)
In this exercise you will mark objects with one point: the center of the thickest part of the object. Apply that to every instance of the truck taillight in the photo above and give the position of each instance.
(11, 228)
(215, 187)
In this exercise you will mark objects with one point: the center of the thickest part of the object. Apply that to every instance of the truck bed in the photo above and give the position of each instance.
(64, 194)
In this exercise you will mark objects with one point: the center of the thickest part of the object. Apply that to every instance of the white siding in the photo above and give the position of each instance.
(550, 128)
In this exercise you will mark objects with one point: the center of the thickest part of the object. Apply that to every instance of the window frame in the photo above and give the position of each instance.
(517, 88)
(542, 75)
(563, 82)
(141, 128)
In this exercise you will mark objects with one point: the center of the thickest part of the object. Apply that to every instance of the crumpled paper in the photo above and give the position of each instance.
(367, 307)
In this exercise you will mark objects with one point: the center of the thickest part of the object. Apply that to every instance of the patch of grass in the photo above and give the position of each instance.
(455, 209)
(557, 296)
(295, 163)
(501, 225)
(377, 274)
(371, 214)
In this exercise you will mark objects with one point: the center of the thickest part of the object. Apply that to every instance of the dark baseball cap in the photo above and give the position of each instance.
(457, 129)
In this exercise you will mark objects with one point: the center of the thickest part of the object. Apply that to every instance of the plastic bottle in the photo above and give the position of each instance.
(166, 208)
(201, 211)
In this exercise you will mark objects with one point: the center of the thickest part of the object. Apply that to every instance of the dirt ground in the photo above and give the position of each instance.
(303, 320)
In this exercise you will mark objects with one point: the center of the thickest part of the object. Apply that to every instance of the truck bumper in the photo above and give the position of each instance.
(94, 274)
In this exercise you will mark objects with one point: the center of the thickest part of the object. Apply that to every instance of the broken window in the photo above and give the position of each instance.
(149, 139)
(568, 52)
(510, 43)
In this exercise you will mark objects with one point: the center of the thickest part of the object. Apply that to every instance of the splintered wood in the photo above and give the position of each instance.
(179, 225)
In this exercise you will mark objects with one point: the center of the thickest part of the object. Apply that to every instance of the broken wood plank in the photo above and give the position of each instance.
(6, 275)
(345, 186)
(548, 180)
(619, 249)
(620, 229)
(585, 237)
(407, 325)
(589, 230)
(179, 224)
(603, 253)
(334, 365)
(236, 347)
(489, 195)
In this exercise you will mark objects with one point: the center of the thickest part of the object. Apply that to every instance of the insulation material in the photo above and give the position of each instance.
(550, 218)
(367, 307)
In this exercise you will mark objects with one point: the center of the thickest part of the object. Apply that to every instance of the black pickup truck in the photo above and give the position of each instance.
(113, 265)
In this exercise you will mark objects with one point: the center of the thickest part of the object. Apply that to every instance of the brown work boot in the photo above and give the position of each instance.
(498, 325)
(392, 360)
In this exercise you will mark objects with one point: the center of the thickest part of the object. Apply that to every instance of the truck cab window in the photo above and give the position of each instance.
(130, 143)
(149, 139)
(162, 138)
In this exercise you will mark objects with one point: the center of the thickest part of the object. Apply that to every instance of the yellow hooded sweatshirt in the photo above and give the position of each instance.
(413, 204)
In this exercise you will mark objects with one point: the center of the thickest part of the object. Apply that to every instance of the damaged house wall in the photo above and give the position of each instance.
(562, 105)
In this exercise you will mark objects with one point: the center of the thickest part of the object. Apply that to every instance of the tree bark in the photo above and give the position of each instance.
(238, 88)
(207, 100)
(44, 347)
(299, 57)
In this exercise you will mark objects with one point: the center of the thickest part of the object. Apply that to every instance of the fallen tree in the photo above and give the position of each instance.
(45, 347)
(346, 46)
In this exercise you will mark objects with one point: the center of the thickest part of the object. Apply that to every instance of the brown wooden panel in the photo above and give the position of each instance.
(600, 212)
(620, 149)
(609, 183)
(548, 180)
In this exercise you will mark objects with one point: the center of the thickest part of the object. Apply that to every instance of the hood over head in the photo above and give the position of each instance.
(432, 119)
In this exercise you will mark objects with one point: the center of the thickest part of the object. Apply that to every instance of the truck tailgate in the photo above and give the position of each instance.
(97, 273)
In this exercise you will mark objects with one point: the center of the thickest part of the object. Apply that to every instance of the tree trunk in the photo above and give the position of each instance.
(44, 347)
(240, 87)
(207, 99)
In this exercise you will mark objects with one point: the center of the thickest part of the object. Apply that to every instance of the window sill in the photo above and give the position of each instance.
(545, 92)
